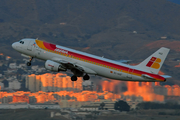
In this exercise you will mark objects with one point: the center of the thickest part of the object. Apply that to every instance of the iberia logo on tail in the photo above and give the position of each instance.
(154, 63)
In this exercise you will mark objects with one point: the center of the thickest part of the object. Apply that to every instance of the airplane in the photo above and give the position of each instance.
(58, 58)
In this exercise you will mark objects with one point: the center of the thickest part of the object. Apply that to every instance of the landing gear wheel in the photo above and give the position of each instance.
(28, 63)
(74, 78)
(86, 77)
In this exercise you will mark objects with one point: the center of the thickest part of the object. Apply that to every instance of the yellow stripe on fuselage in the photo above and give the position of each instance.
(40, 44)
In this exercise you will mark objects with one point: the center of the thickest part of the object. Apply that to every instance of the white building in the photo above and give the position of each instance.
(1, 86)
(41, 69)
(14, 85)
(13, 106)
(13, 65)
(35, 67)
(7, 57)
(89, 108)
(22, 66)
(11, 78)
(29, 106)
(44, 106)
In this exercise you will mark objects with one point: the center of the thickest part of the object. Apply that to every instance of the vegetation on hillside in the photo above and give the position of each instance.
(113, 29)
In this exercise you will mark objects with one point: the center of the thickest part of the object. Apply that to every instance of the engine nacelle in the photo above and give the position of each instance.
(54, 66)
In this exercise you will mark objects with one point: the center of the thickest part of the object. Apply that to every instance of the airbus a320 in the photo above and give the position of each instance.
(58, 58)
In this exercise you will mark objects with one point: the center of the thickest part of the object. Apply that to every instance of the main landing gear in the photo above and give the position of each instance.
(74, 78)
(29, 63)
(85, 77)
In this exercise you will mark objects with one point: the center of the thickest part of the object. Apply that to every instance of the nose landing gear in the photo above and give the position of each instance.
(29, 63)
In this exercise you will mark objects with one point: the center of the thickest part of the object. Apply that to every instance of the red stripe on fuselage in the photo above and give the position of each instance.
(113, 65)
(49, 46)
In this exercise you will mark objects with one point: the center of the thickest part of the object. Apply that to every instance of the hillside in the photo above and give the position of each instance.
(103, 27)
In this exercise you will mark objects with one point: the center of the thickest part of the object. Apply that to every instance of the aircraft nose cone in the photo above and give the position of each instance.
(14, 45)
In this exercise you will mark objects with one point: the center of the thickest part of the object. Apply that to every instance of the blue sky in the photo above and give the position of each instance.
(175, 1)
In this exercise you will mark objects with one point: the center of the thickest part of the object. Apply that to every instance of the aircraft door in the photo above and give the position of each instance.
(130, 72)
(29, 47)
(38, 52)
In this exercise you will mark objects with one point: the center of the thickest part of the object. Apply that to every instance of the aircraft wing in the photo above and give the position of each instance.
(70, 65)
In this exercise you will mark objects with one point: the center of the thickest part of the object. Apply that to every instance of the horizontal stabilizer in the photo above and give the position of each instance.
(166, 76)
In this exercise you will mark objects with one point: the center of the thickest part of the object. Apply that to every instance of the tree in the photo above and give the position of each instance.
(6, 83)
(121, 106)
(102, 106)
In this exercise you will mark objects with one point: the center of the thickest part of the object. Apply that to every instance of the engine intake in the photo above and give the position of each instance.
(54, 66)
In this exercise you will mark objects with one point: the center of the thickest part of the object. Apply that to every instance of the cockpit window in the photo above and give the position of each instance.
(22, 42)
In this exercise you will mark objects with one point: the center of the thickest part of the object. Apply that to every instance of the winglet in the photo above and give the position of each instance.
(154, 62)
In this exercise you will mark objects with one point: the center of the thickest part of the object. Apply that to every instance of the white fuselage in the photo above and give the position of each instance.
(103, 67)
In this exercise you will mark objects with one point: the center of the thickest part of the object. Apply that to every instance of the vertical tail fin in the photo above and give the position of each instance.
(154, 62)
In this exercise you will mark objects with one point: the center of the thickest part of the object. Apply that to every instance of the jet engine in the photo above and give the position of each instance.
(54, 66)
